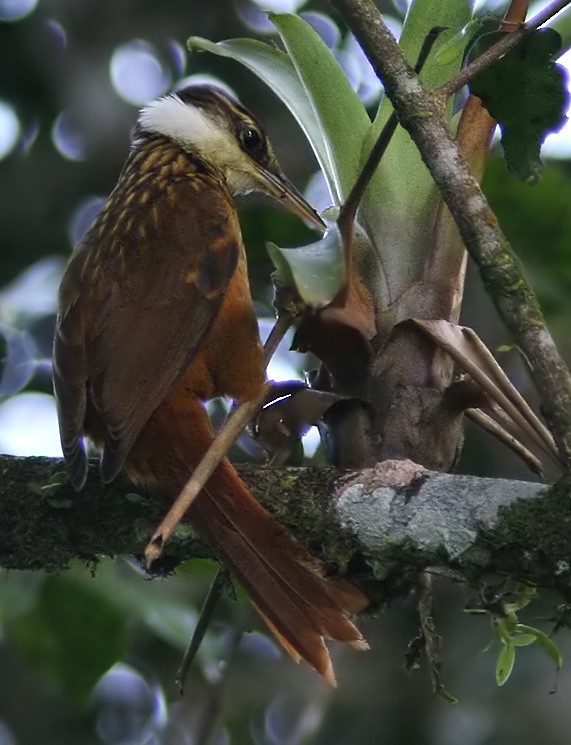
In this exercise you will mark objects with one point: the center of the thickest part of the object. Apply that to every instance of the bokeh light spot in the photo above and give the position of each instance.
(82, 218)
(14, 10)
(28, 426)
(178, 57)
(325, 27)
(58, 33)
(19, 355)
(317, 192)
(368, 86)
(128, 710)
(558, 145)
(32, 294)
(137, 73)
(280, 6)
(29, 136)
(67, 138)
(203, 78)
(9, 129)
(6, 735)
(255, 18)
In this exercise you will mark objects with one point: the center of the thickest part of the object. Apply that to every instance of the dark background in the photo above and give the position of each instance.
(74, 72)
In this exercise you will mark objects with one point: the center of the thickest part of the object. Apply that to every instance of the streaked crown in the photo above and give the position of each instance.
(207, 121)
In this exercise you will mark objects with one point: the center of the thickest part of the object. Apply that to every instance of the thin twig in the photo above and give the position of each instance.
(215, 453)
(237, 420)
(279, 330)
(500, 48)
(205, 617)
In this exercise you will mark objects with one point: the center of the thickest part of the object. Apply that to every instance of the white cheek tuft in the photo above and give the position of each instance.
(180, 122)
(187, 125)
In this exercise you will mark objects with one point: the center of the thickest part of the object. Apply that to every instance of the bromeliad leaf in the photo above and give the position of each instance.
(399, 204)
(526, 93)
(454, 47)
(489, 424)
(505, 663)
(468, 350)
(284, 420)
(316, 271)
(544, 641)
(342, 118)
(523, 640)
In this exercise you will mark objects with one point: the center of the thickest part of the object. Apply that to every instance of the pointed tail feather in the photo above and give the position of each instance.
(300, 606)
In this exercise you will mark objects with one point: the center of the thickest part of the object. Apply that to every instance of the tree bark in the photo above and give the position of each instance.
(387, 522)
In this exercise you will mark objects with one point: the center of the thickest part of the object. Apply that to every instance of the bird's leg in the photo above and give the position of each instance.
(215, 453)
(236, 422)
(279, 329)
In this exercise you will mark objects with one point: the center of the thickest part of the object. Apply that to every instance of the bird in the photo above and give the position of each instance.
(155, 317)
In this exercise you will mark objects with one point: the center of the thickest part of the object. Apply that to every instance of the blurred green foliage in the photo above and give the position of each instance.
(71, 634)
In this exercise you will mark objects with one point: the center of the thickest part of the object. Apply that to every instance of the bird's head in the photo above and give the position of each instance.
(208, 122)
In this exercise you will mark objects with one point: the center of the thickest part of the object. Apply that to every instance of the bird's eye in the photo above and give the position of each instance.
(251, 139)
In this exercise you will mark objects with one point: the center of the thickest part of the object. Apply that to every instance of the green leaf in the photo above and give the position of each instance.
(342, 118)
(505, 663)
(504, 627)
(544, 641)
(562, 24)
(454, 45)
(399, 204)
(317, 271)
(72, 635)
(523, 640)
(525, 593)
(526, 93)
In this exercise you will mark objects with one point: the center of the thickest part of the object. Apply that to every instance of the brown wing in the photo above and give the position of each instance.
(136, 301)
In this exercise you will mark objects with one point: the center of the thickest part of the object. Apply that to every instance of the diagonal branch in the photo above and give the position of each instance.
(420, 113)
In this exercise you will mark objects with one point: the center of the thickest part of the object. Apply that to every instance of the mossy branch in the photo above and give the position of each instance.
(392, 520)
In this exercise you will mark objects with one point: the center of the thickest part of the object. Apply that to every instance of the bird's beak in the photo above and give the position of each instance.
(280, 188)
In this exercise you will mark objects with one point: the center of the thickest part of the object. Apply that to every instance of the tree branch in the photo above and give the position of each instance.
(392, 520)
(420, 113)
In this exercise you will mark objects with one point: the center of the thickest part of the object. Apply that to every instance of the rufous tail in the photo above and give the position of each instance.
(300, 606)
